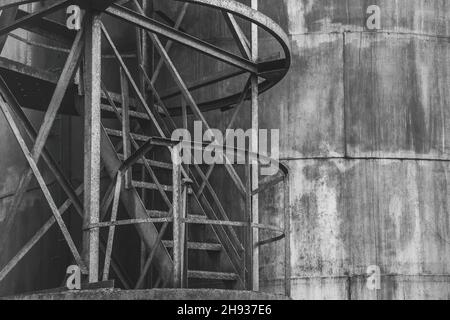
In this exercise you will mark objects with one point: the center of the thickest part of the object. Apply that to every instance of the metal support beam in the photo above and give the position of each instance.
(238, 35)
(178, 220)
(159, 28)
(194, 107)
(92, 127)
(112, 229)
(169, 43)
(255, 149)
(42, 184)
(125, 124)
(35, 239)
(55, 103)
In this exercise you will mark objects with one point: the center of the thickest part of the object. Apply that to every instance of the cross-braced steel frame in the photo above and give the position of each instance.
(85, 60)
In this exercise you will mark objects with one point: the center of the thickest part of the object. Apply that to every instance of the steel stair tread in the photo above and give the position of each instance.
(152, 163)
(201, 246)
(132, 113)
(150, 186)
(118, 133)
(157, 214)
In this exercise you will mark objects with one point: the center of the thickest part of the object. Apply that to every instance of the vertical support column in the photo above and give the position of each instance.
(142, 56)
(92, 113)
(178, 204)
(126, 124)
(255, 149)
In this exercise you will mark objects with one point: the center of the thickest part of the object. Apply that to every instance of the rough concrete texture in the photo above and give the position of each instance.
(386, 99)
(363, 124)
(155, 294)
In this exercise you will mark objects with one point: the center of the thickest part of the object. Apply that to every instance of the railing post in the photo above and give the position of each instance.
(179, 212)
(187, 185)
(248, 253)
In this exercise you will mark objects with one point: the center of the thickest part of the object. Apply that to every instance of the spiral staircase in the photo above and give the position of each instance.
(190, 240)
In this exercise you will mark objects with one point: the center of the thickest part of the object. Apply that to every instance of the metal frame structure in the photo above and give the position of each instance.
(102, 145)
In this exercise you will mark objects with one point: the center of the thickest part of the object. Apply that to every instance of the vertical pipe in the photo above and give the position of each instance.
(255, 149)
(92, 69)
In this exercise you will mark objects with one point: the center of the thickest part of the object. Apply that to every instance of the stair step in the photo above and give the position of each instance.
(157, 214)
(118, 133)
(152, 163)
(200, 219)
(151, 186)
(202, 246)
(134, 114)
(209, 275)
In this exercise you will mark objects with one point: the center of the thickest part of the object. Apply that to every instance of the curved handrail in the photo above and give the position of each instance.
(272, 71)
(193, 145)
(268, 25)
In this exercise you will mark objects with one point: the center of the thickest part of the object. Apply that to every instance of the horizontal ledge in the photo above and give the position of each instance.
(383, 31)
(324, 158)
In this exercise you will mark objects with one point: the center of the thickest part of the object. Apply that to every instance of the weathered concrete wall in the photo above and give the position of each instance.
(363, 123)
(369, 95)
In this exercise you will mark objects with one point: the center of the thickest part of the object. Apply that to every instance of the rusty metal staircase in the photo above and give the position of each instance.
(189, 239)
(225, 245)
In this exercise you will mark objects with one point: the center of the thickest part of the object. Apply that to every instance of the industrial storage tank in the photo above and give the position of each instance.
(363, 120)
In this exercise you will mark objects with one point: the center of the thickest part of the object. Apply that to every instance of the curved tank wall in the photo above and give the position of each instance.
(363, 118)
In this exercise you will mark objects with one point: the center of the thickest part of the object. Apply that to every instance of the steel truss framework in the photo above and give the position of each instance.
(189, 183)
